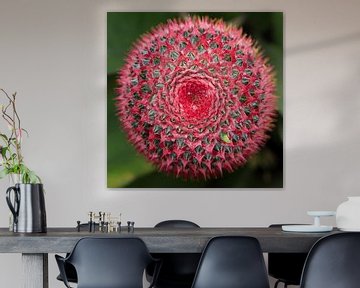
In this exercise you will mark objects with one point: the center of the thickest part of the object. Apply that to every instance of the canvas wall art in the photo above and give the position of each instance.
(194, 100)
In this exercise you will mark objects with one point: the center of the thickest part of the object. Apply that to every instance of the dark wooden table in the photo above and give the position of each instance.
(35, 247)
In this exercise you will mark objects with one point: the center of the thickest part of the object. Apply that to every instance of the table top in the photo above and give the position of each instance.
(158, 240)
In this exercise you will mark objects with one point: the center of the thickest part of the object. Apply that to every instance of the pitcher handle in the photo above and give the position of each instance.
(13, 208)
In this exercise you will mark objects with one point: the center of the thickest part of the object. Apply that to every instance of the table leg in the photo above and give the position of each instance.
(35, 270)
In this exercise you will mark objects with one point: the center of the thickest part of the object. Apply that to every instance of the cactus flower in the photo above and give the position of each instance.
(196, 97)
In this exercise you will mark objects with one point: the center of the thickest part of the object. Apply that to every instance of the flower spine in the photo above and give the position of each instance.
(196, 97)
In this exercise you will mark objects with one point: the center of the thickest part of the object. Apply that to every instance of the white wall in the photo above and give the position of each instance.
(53, 53)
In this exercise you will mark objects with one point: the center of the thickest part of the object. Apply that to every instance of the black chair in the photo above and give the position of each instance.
(232, 262)
(333, 262)
(69, 269)
(286, 267)
(178, 269)
(108, 263)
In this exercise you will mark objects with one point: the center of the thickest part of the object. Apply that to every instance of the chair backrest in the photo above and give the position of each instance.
(110, 262)
(176, 224)
(287, 267)
(232, 262)
(333, 262)
(178, 269)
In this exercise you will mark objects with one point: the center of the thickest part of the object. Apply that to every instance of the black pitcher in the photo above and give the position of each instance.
(28, 207)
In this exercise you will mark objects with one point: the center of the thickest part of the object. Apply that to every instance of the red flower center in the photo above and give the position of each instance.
(195, 99)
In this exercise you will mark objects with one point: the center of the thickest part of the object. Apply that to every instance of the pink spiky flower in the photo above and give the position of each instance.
(196, 97)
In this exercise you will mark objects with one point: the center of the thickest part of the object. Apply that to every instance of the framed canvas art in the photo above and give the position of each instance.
(194, 100)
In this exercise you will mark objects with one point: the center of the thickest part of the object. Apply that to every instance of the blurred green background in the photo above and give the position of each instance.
(126, 168)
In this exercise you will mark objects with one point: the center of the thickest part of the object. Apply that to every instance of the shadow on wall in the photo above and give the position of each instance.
(328, 173)
(323, 44)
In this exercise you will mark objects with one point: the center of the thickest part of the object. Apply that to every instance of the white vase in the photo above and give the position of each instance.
(348, 214)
